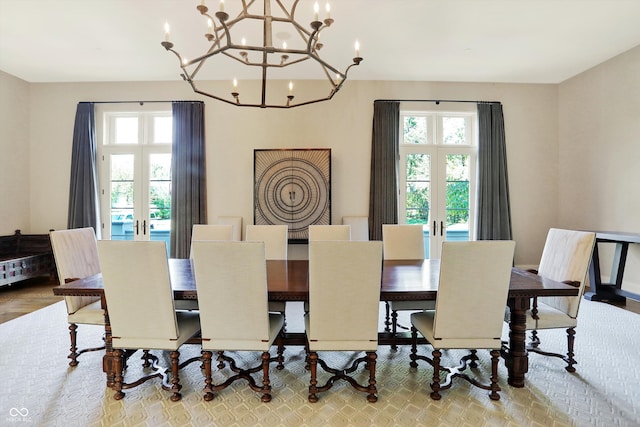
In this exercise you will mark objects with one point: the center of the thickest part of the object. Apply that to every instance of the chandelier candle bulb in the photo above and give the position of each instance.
(166, 31)
(221, 5)
(290, 88)
(328, 8)
(357, 46)
(316, 11)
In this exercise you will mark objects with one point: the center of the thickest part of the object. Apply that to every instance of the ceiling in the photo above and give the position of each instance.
(509, 41)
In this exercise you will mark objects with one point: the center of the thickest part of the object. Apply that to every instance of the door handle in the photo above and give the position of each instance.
(144, 227)
(441, 228)
(434, 229)
(137, 229)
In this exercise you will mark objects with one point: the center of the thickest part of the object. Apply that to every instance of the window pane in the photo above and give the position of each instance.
(159, 195)
(126, 129)
(415, 130)
(122, 196)
(418, 167)
(418, 188)
(457, 187)
(453, 130)
(418, 198)
(162, 130)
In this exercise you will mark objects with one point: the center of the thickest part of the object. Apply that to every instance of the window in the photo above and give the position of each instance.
(438, 152)
(135, 173)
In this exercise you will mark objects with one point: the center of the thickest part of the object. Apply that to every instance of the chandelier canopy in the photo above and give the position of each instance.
(228, 39)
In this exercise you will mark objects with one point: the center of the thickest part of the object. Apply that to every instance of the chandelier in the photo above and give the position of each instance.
(228, 40)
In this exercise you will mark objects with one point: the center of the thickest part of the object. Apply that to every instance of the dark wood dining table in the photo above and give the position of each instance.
(402, 280)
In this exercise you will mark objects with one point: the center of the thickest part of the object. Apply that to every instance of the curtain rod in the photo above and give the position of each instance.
(438, 101)
(130, 102)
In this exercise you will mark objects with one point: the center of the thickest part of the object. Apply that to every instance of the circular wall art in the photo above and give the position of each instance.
(292, 187)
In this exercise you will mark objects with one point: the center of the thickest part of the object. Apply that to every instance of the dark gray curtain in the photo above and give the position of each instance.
(385, 155)
(83, 188)
(494, 208)
(188, 175)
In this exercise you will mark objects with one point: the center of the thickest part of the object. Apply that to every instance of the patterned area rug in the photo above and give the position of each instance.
(39, 388)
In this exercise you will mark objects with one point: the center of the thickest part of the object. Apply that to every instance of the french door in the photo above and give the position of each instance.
(437, 177)
(138, 193)
(135, 175)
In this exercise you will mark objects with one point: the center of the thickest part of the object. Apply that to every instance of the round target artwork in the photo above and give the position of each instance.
(292, 187)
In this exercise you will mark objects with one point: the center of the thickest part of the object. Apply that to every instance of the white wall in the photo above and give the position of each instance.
(14, 155)
(599, 143)
(342, 124)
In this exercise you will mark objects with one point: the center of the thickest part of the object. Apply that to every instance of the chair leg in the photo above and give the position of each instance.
(280, 356)
(118, 367)
(495, 388)
(571, 336)
(387, 322)
(535, 340)
(394, 328)
(414, 348)
(313, 383)
(435, 385)
(266, 383)
(146, 359)
(371, 365)
(208, 388)
(73, 355)
(175, 379)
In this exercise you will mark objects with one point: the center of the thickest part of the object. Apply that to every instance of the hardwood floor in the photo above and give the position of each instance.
(31, 295)
(25, 297)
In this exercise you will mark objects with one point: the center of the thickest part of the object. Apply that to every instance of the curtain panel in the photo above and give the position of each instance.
(188, 174)
(385, 156)
(83, 188)
(494, 207)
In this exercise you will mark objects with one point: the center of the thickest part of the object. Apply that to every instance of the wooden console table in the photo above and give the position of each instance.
(611, 291)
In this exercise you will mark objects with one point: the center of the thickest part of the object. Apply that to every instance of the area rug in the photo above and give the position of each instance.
(39, 388)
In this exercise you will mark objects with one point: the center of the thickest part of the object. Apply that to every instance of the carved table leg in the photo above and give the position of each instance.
(516, 358)
(108, 360)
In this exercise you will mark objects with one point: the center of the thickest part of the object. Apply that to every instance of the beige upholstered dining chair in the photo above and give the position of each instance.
(344, 296)
(236, 225)
(359, 227)
(212, 232)
(472, 294)
(76, 257)
(205, 232)
(329, 232)
(403, 241)
(276, 243)
(231, 279)
(141, 310)
(565, 258)
(275, 238)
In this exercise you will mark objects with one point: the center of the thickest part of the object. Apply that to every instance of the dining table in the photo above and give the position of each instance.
(402, 280)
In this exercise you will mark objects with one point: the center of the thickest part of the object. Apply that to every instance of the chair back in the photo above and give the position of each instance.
(275, 238)
(329, 232)
(359, 227)
(403, 241)
(231, 278)
(76, 256)
(344, 294)
(566, 256)
(473, 289)
(138, 292)
(236, 225)
(211, 232)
